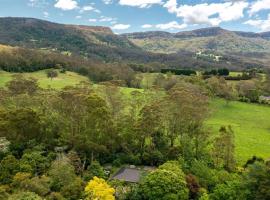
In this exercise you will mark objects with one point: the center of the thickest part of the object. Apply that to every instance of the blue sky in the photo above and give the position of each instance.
(146, 15)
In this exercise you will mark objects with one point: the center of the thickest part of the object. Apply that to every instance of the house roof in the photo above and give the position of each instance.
(128, 175)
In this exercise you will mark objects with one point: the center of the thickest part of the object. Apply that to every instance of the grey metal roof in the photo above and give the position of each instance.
(128, 175)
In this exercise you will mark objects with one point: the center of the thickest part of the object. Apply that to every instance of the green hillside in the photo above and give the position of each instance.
(63, 79)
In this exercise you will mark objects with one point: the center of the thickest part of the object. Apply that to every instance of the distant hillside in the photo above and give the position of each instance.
(150, 51)
(89, 41)
(207, 39)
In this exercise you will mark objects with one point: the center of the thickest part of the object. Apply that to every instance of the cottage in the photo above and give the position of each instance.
(131, 174)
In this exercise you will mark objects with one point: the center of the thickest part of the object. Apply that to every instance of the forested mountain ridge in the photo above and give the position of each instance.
(88, 41)
(213, 39)
(153, 50)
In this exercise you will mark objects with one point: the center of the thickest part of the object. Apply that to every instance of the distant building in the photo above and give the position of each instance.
(265, 98)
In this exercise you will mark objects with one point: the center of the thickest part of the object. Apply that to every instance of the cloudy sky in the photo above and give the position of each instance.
(145, 15)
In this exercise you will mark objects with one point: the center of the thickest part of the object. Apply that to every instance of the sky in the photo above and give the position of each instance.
(147, 15)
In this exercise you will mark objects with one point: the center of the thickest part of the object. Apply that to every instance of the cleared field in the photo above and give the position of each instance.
(251, 125)
(63, 79)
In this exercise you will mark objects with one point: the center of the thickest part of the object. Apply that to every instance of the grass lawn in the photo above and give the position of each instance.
(251, 125)
(63, 80)
(235, 73)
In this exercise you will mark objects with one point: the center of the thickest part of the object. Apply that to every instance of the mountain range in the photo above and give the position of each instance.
(212, 39)
(235, 49)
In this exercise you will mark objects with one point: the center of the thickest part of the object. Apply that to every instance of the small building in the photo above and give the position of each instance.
(265, 99)
(131, 174)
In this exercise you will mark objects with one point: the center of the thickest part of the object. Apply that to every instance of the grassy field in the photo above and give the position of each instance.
(63, 80)
(251, 125)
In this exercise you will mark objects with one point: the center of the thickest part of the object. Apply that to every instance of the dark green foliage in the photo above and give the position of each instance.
(166, 183)
(73, 190)
(224, 149)
(9, 166)
(20, 85)
(62, 174)
(257, 181)
(25, 196)
(52, 74)
(95, 169)
(34, 162)
(20, 125)
(230, 190)
(186, 72)
(219, 72)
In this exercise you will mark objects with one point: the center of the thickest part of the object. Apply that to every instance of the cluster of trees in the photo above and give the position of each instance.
(27, 60)
(186, 72)
(219, 72)
(53, 143)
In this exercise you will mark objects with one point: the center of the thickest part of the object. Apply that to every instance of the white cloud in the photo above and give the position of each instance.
(263, 25)
(147, 26)
(87, 8)
(171, 26)
(259, 5)
(212, 14)
(37, 3)
(140, 3)
(66, 4)
(92, 20)
(121, 26)
(46, 14)
(97, 11)
(107, 1)
(106, 19)
(78, 17)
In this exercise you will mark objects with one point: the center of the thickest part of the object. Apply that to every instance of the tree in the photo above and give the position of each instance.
(219, 87)
(207, 176)
(9, 166)
(34, 162)
(97, 188)
(38, 185)
(257, 180)
(73, 190)
(231, 190)
(266, 86)
(248, 89)
(24, 196)
(193, 186)
(149, 124)
(184, 111)
(166, 183)
(21, 85)
(95, 169)
(62, 173)
(98, 135)
(20, 125)
(224, 149)
(52, 74)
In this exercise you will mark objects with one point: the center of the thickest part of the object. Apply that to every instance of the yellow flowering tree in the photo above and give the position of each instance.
(98, 189)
